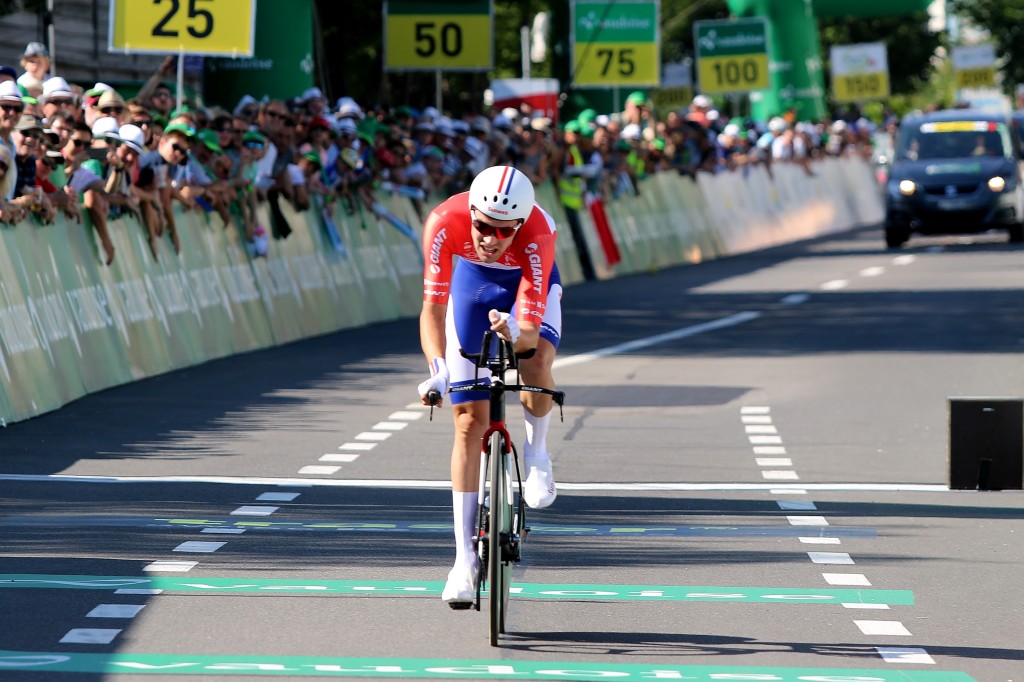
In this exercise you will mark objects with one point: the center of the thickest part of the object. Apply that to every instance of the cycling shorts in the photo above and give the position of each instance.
(476, 290)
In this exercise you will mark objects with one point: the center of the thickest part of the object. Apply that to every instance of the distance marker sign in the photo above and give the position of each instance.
(732, 56)
(859, 72)
(456, 35)
(224, 28)
(616, 44)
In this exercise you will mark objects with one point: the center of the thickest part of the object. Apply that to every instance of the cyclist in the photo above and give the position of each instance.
(504, 279)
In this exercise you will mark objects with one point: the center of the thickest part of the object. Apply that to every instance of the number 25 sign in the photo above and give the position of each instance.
(200, 27)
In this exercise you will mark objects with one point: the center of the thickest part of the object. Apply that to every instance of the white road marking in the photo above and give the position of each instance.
(760, 428)
(795, 299)
(223, 531)
(164, 566)
(765, 440)
(874, 271)
(277, 497)
(756, 419)
(807, 520)
(89, 636)
(406, 415)
(390, 426)
(846, 579)
(906, 259)
(198, 547)
(254, 510)
(318, 470)
(115, 611)
(778, 475)
(830, 557)
(397, 483)
(820, 541)
(835, 285)
(373, 435)
(769, 450)
(796, 505)
(755, 409)
(363, 447)
(859, 605)
(341, 457)
(773, 461)
(904, 655)
(138, 590)
(637, 344)
(882, 627)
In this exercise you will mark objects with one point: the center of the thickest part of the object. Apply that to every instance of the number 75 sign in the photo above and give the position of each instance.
(616, 43)
(201, 27)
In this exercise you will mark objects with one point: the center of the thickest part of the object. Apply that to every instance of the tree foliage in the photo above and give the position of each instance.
(1004, 22)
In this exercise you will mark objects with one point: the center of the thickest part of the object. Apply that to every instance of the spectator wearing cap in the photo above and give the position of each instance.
(155, 174)
(251, 150)
(247, 109)
(155, 94)
(28, 146)
(636, 110)
(11, 107)
(9, 213)
(36, 63)
(109, 104)
(103, 161)
(571, 185)
(306, 179)
(87, 185)
(348, 108)
(199, 180)
(57, 96)
(273, 167)
(314, 102)
(7, 73)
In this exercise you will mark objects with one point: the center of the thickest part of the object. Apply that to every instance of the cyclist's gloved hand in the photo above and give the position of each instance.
(500, 320)
(438, 381)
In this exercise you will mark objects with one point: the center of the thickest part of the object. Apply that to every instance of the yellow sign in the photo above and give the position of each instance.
(425, 42)
(733, 73)
(858, 87)
(957, 127)
(621, 64)
(981, 77)
(204, 27)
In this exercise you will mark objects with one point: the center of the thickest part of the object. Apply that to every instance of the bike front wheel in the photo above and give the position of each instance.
(500, 521)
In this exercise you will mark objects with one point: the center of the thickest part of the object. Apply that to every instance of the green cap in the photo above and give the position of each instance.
(183, 128)
(183, 109)
(572, 127)
(313, 157)
(209, 138)
(587, 116)
(586, 130)
(253, 136)
(637, 98)
(659, 144)
(623, 146)
(403, 110)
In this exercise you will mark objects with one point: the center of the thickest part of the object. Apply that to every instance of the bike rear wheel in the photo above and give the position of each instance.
(500, 521)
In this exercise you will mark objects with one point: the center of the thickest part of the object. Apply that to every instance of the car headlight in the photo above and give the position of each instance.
(997, 184)
(907, 187)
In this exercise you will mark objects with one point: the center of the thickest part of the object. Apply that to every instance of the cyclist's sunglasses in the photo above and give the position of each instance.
(486, 229)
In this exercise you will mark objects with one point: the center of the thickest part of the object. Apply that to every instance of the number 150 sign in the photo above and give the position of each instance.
(616, 43)
(201, 27)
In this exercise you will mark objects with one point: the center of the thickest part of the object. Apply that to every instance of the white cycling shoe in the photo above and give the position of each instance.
(460, 590)
(539, 488)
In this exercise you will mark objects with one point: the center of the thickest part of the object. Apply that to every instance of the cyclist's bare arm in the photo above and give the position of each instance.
(529, 336)
(432, 337)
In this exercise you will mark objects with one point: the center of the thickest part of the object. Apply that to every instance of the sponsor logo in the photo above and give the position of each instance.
(495, 209)
(435, 247)
(435, 269)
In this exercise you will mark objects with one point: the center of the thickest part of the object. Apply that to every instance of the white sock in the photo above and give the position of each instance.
(536, 445)
(464, 511)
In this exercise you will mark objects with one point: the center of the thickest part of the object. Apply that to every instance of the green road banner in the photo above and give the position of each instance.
(732, 55)
(859, 72)
(615, 43)
(70, 326)
(447, 35)
(427, 668)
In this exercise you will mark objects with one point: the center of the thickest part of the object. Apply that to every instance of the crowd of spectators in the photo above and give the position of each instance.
(76, 151)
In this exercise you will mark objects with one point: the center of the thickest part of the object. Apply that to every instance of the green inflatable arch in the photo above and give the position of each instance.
(794, 48)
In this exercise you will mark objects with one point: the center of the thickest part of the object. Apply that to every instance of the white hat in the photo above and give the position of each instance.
(56, 87)
(102, 87)
(602, 121)
(106, 126)
(631, 132)
(132, 136)
(839, 126)
(731, 130)
(9, 92)
(243, 103)
(480, 124)
(346, 125)
(502, 122)
(312, 93)
(460, 126)
(702, 102)
(431, 114)
(777, 124)
(347, 106)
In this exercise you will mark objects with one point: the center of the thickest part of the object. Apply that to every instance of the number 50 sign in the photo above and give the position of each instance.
(201, 27)
(451, 35)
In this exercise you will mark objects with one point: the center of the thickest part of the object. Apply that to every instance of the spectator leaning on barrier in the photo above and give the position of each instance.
(9, 213)
(87, 185)
(11, 107)
(155, 174)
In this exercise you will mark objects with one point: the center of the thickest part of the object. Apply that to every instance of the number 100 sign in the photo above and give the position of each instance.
(200, 27)
(616, 43)
(732, 56)
(447, 35)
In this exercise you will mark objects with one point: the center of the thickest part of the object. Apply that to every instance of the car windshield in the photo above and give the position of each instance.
(954, 140)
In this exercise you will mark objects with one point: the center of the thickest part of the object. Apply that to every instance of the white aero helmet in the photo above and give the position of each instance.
(502, 193)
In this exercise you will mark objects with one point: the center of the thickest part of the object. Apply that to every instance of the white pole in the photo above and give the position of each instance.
(524, 46)
(51, 34)
(437, 90)
(181, 76)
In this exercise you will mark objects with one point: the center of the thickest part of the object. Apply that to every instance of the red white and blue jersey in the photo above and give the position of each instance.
(447, 233)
